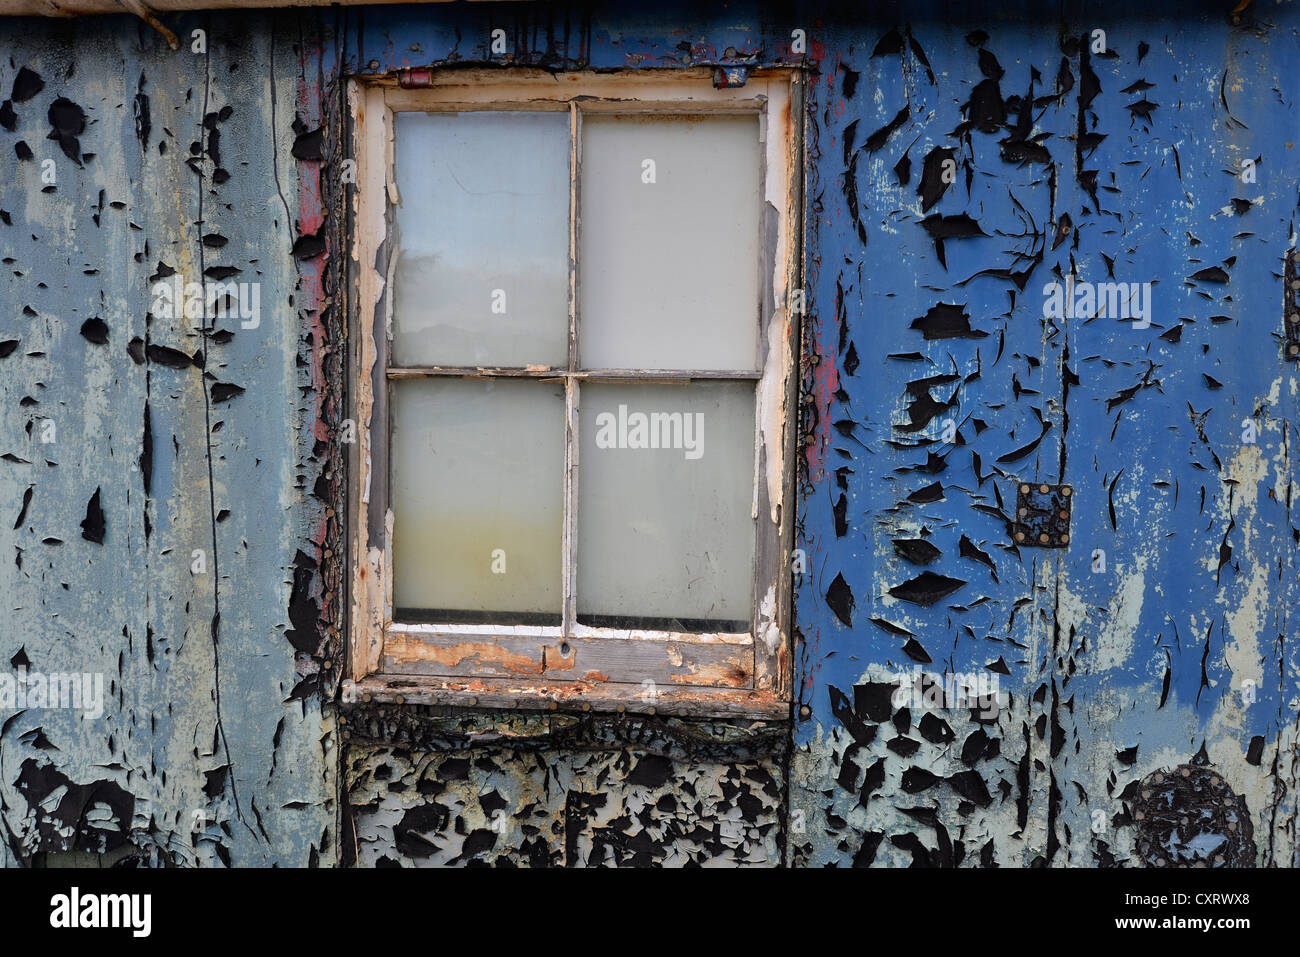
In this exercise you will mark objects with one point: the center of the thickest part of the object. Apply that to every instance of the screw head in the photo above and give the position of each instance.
(1043, 538)
(1042, 489)
(1024, 489)
(1020, 536)
(1067, 491)
(805, 712)
(1065, 539)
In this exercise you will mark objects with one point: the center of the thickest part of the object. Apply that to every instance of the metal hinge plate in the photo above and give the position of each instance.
(1042, 515)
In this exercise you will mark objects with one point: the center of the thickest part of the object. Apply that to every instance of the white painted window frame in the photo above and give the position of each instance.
(573, 666)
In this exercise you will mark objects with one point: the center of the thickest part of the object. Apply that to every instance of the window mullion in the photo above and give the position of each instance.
(569, 570)
(575, 130)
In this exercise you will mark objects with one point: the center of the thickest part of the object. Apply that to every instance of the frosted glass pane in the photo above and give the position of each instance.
(482, 273)
(668, 271)
(665, 534)
(478, 500)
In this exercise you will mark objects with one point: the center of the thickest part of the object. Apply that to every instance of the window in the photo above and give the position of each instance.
(574, 378)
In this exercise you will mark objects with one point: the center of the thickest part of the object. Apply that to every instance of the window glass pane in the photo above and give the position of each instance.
(665, 499)
(482, 273)
(478, 500)
(668, 271)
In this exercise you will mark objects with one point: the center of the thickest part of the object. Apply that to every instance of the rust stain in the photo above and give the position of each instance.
(725, 674)
(405, 650)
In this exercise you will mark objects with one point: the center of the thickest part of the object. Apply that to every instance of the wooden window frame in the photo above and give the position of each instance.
(573, 666)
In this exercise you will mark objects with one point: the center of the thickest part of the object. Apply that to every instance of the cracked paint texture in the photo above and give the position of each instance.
(429, 790)
(1159, 635)
(195, 438)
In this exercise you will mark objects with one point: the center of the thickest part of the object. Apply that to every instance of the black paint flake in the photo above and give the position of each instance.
(926, 588)
(67, 122)
(92, 526)
(840, 599)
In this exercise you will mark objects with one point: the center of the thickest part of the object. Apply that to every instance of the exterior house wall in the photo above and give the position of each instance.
(223, 740)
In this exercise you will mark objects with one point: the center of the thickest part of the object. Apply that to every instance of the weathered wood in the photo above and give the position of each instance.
(664, 665)
(778, 388)
(554, 372)
(570, 696)
(368, 562)
(601, 654)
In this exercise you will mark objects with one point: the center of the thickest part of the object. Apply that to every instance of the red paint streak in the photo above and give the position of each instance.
(825, 381)
(311, 218)
(309, 299)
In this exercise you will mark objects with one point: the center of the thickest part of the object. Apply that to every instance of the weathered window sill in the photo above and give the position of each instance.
(566, 696)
